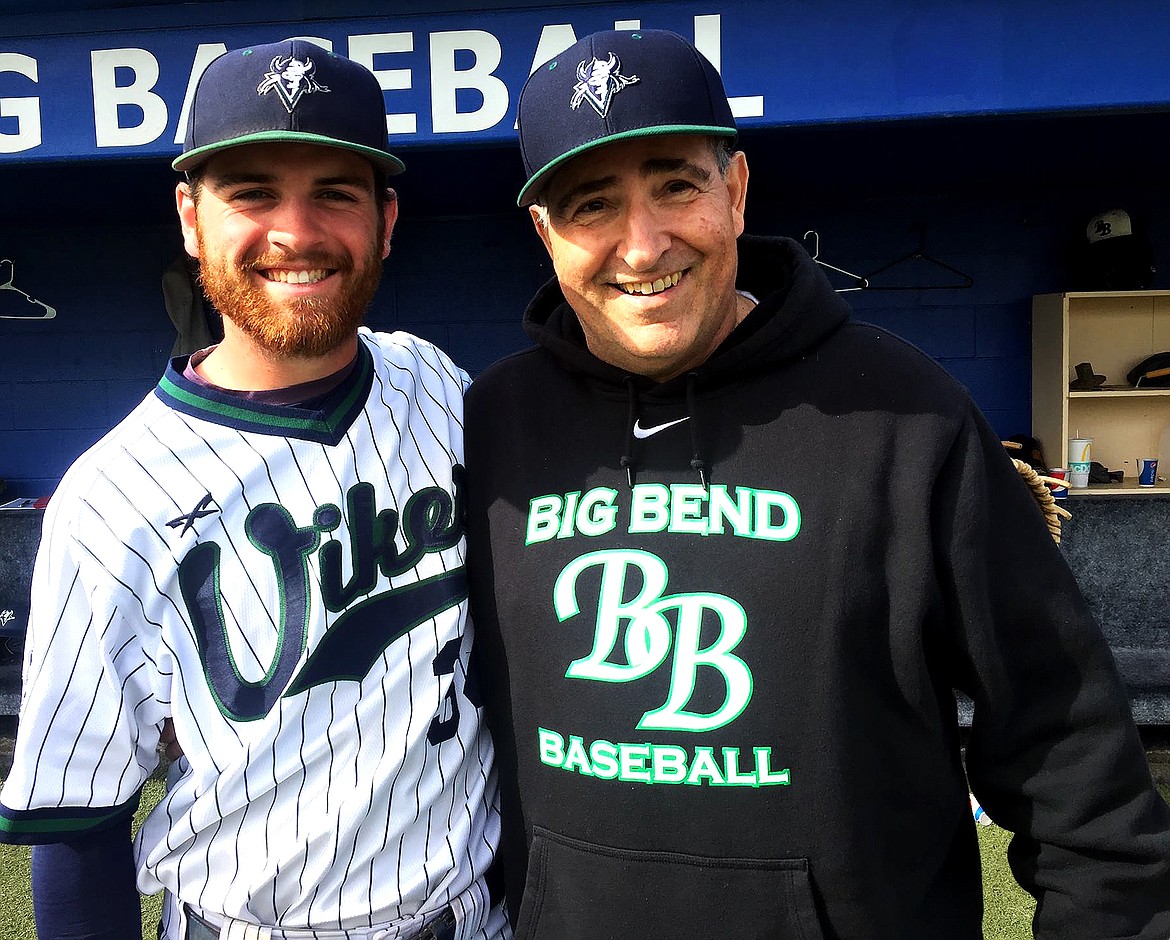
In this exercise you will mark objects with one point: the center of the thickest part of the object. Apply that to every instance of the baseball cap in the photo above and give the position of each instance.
(290, 91)
(614, 85)
(1112, 224)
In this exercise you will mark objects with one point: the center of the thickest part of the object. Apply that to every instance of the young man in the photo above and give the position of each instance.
(269, 549)
(730, 554)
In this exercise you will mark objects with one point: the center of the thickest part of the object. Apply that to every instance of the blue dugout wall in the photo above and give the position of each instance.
(988, 133)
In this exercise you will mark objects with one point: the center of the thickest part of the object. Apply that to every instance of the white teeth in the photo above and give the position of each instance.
(652, 287)
(295, 277)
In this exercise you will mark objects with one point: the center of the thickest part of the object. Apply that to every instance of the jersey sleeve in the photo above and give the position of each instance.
(1053, 753)
(89, 715)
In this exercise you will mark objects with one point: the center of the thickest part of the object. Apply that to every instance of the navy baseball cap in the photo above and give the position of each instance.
(611, 86)
(291, 91)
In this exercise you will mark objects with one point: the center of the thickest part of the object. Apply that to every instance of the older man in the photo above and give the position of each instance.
(730, 554)
(269, 549)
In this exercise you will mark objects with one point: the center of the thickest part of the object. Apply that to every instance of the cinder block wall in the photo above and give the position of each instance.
(462, 281)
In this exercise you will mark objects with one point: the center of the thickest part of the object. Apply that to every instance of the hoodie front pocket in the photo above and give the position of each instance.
(578, 890)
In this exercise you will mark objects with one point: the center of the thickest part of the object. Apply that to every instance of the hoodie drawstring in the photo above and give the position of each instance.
(696, 459)
(627, 461)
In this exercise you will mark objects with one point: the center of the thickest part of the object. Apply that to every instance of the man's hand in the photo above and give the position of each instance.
(168, 744)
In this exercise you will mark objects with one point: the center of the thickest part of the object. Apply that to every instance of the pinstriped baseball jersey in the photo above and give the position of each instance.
(289, 586)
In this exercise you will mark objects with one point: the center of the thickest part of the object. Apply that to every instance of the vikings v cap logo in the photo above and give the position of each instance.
(291, 78)
(599, 82)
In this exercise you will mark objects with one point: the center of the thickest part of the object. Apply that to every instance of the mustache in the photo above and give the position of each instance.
(308, 259)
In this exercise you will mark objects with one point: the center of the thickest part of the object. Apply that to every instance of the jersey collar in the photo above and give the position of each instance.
(326, 424)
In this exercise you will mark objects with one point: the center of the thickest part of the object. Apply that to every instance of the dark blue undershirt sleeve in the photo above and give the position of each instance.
(85, 889)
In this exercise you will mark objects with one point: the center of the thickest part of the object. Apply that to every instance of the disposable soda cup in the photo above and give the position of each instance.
(978, 812)
(1059, 473)
(1080, 450)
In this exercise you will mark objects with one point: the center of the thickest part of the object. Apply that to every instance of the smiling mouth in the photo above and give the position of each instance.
(284, 276)
(645, 288)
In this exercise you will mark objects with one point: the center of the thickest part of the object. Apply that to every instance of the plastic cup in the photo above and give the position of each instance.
(1080, 450)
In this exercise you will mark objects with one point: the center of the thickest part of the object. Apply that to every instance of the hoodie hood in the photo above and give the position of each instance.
(798, 309)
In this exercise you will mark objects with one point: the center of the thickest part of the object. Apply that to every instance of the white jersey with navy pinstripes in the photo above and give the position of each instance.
(288, 584)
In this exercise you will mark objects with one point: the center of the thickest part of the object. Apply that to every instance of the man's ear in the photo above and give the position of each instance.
(737, 184)
(389, 217)
(540, 222)
(186, 209)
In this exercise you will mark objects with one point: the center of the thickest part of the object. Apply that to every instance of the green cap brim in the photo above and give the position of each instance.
(386, 162)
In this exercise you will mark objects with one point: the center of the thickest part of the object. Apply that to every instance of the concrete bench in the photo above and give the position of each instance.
(20, 534)
(1119, 549)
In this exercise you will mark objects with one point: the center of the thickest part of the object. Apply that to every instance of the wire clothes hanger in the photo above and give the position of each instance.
(919, 254)
(860, 283)
(13, 308)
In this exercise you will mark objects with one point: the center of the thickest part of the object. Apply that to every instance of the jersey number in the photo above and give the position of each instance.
(443, 729)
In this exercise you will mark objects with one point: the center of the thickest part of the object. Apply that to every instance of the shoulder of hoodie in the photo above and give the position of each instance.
(899, 365)
(512, 375)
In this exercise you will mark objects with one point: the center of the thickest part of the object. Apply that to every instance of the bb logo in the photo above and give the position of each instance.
(648, 636)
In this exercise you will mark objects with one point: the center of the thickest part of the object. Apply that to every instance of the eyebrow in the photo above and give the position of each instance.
(242, 177)
(655, 166)
(582, 189)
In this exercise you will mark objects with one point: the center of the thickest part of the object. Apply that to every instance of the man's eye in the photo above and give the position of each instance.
(250, 195)
(680, 186)
(591, 207)
(338, 195)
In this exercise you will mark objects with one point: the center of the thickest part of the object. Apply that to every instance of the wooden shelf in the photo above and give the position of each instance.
(1123, 393)
(1110, 294)
(1127, 487)
(1113, 330)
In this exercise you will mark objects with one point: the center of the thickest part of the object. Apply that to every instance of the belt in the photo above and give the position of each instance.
(441, 927)
(199, 928)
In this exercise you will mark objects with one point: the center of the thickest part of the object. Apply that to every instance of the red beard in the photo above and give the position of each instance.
(303, 327)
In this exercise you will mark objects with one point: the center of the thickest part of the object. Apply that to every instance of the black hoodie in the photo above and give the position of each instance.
(719, 622)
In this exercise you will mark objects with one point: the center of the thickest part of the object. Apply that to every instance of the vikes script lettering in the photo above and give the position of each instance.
(431, 521)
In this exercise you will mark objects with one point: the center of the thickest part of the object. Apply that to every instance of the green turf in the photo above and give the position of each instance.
(16, 911)
(1007, 909)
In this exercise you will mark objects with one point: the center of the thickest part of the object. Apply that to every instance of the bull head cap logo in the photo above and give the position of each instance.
(290, 78)
(599, 82)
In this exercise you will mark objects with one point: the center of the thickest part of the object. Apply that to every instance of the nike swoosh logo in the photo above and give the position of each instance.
(642, 433)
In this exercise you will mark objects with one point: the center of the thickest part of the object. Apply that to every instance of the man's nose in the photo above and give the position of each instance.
(646, 237)
(295, 225)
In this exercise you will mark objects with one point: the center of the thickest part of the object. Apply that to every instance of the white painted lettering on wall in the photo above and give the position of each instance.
(364, 48)
(467, 96)
(26, 111)
(447, 79)
(106, 67)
